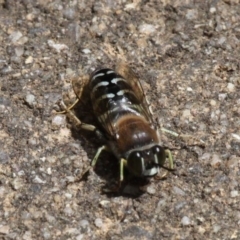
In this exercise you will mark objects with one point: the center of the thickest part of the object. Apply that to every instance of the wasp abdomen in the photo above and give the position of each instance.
(112, 96)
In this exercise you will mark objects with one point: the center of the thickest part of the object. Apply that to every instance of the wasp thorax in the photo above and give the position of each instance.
(146, 162)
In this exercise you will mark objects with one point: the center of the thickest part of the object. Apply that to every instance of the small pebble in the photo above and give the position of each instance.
(4, 157)
(201, 230)
(207, 190)
(192, 14)
(236, 136)
(28, 124)
(178, 191)
(104, 203)
(50, 218)
(6, 70)
(85, 226)
(17, 183)
(205, 157)
(213, 102)
(38, 180)
(69, 13)
(161, 203)
(19, 51)
(84, 223)
(27, 236)
(74, 31)
(233, 161)
(216, 228)
(151, 190)
(46, 234)
(58, 120)
(29, 60)
(221, 40)
(33, 141)
(22, 40)
(30, 16)
(130, 6)
(234, 194)
(15, 36)
(68, 210)
(80, 237)
(98, 222)
(49, 171)
(216, 160)
(185, 221)
(57, 46)
(231, 87)
(30, 100)
(212, 10)
(86, 51)
(186, 114)
(72, 231)
(147, 28)
(180, 205)
(4, 229)
(68, 195)
(222, 96)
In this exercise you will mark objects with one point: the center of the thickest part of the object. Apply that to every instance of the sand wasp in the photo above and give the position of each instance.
(127, 126)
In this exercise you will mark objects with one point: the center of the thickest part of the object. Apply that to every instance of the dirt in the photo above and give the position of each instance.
(186, 54)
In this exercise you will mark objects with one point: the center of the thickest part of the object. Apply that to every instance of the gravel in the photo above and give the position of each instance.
(187, 56)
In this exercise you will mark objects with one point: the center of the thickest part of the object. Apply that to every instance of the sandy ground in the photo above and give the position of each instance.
(187, 55)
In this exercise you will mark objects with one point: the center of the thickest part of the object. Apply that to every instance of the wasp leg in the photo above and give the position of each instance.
(94, 161)
(71, 107)
(116, 188)
(185, 137)
(78, 124)
(123, 162)
(170, 162)
(169, 131)
(170, 158)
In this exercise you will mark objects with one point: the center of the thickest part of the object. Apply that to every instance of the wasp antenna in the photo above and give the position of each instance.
(169, 131)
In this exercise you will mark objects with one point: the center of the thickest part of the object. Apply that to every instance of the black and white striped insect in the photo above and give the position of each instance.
(127, 126)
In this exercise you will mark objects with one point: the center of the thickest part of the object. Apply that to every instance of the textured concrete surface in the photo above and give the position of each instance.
(187, 55)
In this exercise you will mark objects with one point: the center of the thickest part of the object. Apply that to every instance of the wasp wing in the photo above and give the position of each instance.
(79, 85)
(131, 77)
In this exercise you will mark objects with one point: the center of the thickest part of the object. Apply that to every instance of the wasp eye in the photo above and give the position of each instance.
(134, 163)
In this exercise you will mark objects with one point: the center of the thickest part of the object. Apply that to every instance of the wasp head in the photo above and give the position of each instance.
(143, 163)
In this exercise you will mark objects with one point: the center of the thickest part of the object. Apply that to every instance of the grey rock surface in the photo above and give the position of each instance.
(187, 55)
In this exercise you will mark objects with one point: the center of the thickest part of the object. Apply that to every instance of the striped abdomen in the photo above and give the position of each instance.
(112, 97)
(120, 112)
